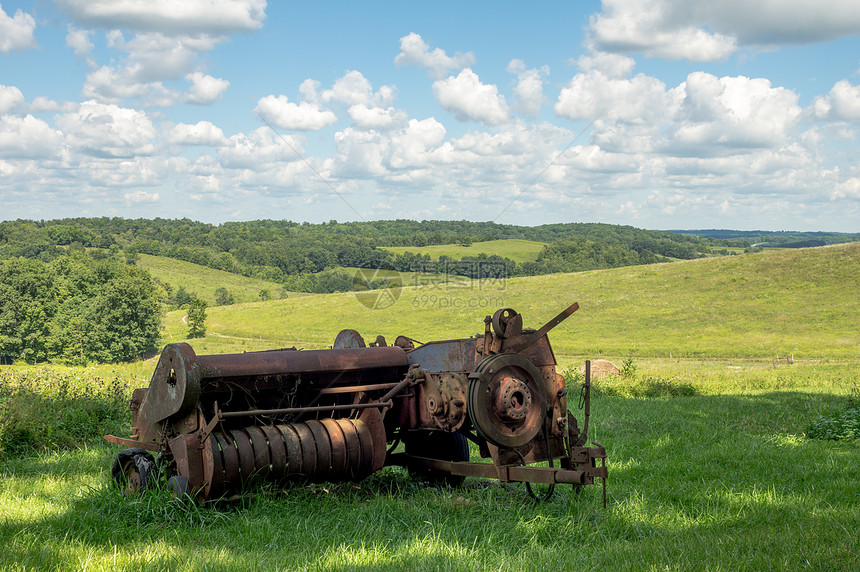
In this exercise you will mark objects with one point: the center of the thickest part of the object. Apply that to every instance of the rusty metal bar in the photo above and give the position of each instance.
(586, 401)
(515, 473)
(132, 443)
(404, 383)
(305, 361)
(297, 410)
(521, 345)
(356, 388)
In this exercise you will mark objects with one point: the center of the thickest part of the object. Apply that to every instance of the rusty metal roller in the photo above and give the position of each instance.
(324, 450)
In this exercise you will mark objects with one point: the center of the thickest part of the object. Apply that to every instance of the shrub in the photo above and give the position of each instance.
(843, 425)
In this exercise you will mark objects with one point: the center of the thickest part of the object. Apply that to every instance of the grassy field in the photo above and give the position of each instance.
(203, 281)
(515, 249)
(710, 466)
(798, 304)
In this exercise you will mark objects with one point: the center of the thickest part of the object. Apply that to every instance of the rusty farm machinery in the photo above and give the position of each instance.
(220, 423)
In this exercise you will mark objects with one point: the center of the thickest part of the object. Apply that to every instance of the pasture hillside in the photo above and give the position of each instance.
(515, 249)
(798, 303)
(203, 281)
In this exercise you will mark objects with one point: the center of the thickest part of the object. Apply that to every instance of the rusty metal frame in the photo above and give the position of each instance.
(375, 394)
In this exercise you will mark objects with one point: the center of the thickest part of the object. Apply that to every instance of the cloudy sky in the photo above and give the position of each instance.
(661, 114)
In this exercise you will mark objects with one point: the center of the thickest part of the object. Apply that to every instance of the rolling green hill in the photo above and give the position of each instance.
(203, 281)
(794, 302)
(515, 249)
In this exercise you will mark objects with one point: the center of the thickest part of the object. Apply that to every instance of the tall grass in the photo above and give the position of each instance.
(44, 409)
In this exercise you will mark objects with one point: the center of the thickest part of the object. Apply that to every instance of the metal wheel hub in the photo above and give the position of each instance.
(515, 399)
(505, 402)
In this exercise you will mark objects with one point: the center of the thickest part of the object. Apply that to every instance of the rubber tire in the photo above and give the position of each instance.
(437, 445)
(138, 462)
(179, 486)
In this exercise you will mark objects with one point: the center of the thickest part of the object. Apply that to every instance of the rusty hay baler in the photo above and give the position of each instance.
(222, 422)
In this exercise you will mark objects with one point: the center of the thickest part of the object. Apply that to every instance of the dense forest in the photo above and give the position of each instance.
(776, 239)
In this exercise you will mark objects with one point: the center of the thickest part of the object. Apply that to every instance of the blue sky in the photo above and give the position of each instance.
(652, 113)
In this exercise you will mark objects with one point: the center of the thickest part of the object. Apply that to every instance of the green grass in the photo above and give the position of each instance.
(800, 304)
(513, 248)
(717, 482)
(203, 281)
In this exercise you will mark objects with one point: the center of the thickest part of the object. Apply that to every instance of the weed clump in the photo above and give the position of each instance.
(647, 387)
(628, 384)
(43, 410)
(843, 425)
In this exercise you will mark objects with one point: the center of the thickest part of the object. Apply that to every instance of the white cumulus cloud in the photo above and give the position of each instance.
(302, 116)
(16, 32)
(351, 88)
(366, 117)
(733, 111)
(111, 85)
(468, 99)
(107, 130)
(205, 89)
(11, 98)
(704, 30)
(640, 99)
(529, 89)
(414, 51)
(28, 138)
(168, 16)
(841, 104)
(258, 149)
(201, 133)
(141, 197)
(79, 41)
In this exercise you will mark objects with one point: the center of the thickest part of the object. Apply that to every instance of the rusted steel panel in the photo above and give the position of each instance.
(449, 355)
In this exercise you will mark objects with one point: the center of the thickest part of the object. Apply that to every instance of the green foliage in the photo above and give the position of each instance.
(76, 309)
(515, 249)
(43, 409)
(778, 239)
(628, 368)
(223, 297)
(181, 297)
(840, 425)
(265, 295)
(197, 318)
